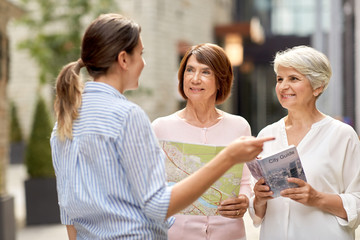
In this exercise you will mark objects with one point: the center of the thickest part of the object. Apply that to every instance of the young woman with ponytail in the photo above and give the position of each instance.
(109, 167)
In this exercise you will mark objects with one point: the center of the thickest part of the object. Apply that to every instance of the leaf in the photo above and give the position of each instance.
(57, 30)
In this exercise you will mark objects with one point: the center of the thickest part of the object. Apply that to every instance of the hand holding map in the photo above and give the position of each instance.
(184, 159)
(187, 190)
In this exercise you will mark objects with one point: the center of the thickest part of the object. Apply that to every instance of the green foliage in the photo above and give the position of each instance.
(57, 28)
(15, 129)
(38, 152)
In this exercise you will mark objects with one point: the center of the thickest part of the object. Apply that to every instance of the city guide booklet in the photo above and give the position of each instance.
(183, 159)
(277, 168)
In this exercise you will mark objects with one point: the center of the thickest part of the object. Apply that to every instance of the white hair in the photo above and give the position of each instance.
(307, 61)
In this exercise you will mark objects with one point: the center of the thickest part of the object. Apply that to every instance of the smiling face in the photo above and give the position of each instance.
(199, 82)
(294, 90)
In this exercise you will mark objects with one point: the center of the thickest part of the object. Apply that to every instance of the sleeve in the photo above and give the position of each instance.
(60, 186)
(143, 161)
(65, 220)
(164, 128)
(245, 186)
(351, 179)
(156, 126)
(257, 220)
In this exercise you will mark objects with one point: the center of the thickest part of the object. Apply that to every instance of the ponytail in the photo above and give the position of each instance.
(68, 98)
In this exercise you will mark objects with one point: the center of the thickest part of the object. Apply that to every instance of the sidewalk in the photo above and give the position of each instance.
(16, 174)
(43, 232)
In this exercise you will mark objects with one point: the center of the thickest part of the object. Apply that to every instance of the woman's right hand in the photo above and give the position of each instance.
(246, 148)
(262, 195)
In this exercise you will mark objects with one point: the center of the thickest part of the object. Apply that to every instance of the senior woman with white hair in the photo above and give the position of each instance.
(327, 206)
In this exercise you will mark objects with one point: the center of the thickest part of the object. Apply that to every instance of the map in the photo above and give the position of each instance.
(183, 159)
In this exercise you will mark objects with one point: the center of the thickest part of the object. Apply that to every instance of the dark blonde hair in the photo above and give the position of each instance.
(215, 57)
(104, 39)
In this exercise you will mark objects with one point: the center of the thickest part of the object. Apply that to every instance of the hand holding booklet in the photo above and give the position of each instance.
(277, 168)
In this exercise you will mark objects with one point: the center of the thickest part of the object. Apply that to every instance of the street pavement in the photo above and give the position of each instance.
(16, 174)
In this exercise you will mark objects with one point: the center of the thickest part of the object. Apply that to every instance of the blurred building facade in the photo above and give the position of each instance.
(7, 11)
(331, 26)
(168, 29)
(7, 217)
(264, 27)
(357, 64)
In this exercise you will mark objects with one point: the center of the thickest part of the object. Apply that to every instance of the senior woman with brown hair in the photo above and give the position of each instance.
(205, 80)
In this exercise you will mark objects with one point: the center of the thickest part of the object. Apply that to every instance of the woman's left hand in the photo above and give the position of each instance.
(307, 195)
(234, 207)
(304, 194)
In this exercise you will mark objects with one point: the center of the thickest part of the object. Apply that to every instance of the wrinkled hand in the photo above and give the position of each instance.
(262, 195)
(246, 148)
(262, 192)
(234, 207)
(304, 194)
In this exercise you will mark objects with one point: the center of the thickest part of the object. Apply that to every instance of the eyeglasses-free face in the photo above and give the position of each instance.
(199, 81)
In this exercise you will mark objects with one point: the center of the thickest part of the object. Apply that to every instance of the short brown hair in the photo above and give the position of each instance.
(215, 57)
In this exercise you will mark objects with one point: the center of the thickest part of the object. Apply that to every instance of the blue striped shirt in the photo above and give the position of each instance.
(110, 177)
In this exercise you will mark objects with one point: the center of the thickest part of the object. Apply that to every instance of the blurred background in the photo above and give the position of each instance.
(38, 37)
